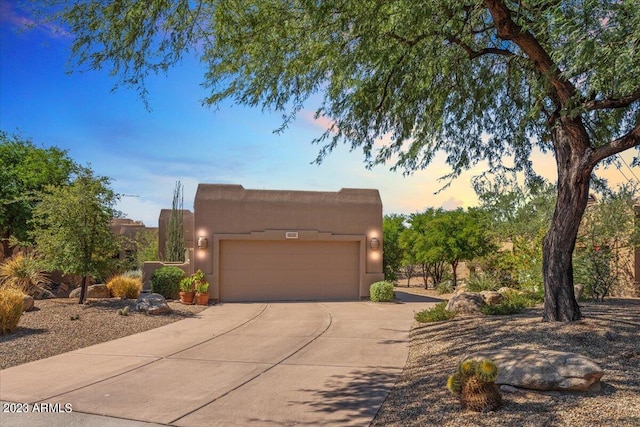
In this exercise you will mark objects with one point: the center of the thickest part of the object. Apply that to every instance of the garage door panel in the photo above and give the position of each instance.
(293, 262)
(288, 270)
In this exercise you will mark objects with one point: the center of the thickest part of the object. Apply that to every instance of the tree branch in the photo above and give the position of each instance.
(508, 30)
(604, 104)
(630, 140)
(473, 54)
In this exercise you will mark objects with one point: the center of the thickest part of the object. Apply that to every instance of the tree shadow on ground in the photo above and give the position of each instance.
(408, 297)
(356, 395)
(22, 332)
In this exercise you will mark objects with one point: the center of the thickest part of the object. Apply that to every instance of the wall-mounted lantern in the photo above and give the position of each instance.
(203, 242)
(374, 243)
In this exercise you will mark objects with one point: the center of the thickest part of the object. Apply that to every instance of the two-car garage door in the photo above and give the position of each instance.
(288, 270)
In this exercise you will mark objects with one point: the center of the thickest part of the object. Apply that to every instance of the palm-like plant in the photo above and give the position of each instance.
(23, 272)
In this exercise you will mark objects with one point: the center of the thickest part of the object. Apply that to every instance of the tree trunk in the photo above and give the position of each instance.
(6, 249)
(574, 171)
(83, 290)
(454, 267)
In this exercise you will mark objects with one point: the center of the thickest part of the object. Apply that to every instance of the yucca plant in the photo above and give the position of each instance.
(23, 272)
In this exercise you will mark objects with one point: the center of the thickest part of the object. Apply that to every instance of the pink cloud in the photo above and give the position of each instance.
(452, 204)
(19, 19)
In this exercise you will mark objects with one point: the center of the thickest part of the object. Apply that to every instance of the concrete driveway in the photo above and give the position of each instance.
(262, 364)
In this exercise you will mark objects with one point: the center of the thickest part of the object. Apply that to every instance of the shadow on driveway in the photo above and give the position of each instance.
(407, 297)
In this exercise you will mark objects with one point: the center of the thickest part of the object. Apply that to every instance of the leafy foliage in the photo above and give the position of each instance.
(437, 237)
(392, 228)
(445, 287)
(11, 304)
(71, 227)
(25, 170)
(437, 313)
(608, 234)
(146, 242)
(382, 292)
(24, 272)
(479, 282)
(520, 214)
(166, 281)
(513, 303)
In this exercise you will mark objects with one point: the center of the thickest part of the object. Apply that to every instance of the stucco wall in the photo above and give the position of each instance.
(232, 212)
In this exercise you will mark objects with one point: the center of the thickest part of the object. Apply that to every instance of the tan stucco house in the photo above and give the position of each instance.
(272, 245)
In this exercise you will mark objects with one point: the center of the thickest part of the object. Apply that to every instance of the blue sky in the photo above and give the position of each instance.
(146, 152)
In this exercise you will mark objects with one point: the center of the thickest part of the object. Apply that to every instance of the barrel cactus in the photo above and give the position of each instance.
(474, 384)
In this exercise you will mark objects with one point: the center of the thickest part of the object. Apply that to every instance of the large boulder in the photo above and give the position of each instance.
(462, 287)
(466, 302)
(491, 297)
(93, 291)
(27, 302)
(152, 304)
(578, 289)
(544, 369)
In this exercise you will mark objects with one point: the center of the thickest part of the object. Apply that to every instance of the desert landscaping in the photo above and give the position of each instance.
(607, 335)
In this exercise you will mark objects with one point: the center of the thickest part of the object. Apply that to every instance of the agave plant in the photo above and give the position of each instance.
(23, 272)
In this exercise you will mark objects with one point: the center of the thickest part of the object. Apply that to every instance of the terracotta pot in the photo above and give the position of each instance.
(187, 297)
(202, 299)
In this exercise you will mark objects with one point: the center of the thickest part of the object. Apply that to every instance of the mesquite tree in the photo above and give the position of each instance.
(477, 80)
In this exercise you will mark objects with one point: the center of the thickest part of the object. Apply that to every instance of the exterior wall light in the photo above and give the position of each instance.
(203, 242)
(374, 243)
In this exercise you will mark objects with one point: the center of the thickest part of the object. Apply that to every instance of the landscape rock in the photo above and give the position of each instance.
(462, 287)
(27, 302)
(491, 297)
(466, 302)
(93, 291)
(578, 289)
(152, 304)
(544, 370)
(42, 293)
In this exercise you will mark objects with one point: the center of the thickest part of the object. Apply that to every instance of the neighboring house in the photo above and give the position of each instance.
(128, 228)
(272, 245)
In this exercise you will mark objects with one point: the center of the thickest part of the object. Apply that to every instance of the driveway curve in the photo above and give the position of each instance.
(262, 364)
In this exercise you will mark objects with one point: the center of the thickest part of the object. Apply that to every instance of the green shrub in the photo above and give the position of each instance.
(437, 313)
(11, 303)
(513, 303)
(444, 287)
(125, 287)
(166, 281)
(382, 292)
(483, 282)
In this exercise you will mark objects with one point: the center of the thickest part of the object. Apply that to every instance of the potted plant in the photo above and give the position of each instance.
(202, 288)
(186, 290)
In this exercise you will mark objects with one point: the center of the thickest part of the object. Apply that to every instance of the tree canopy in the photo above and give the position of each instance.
(72, 227)
(25, 170)
(392, 228)
(404, 80)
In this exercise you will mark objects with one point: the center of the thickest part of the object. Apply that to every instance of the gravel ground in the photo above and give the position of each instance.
(609, 334)
(48, 329)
